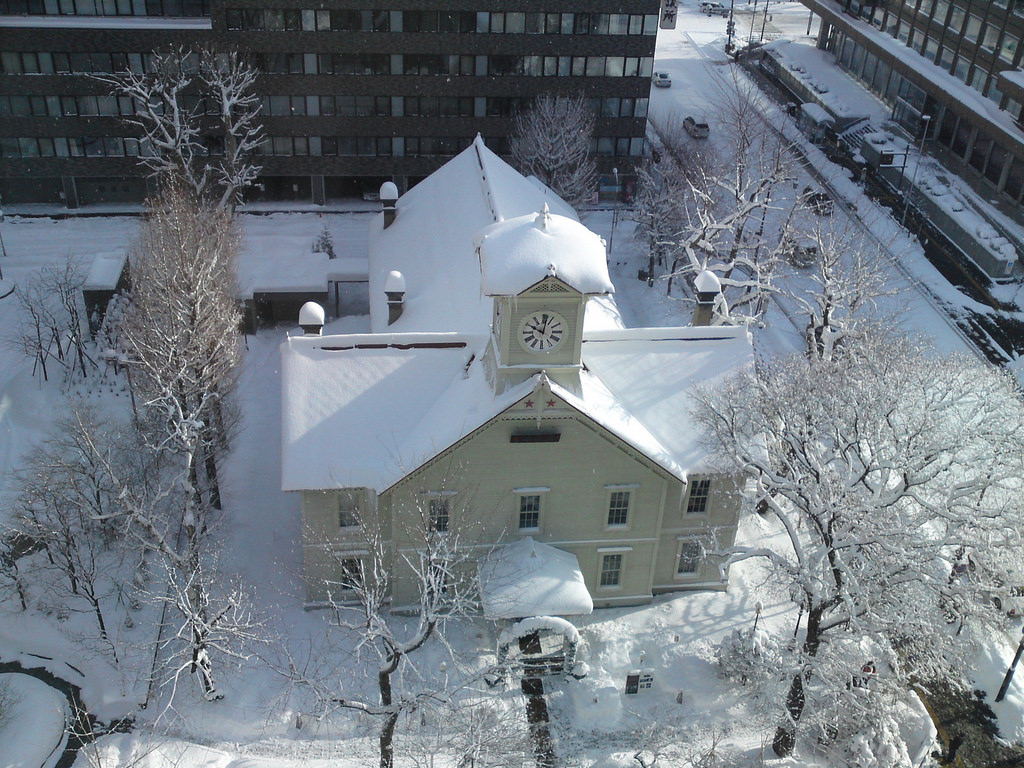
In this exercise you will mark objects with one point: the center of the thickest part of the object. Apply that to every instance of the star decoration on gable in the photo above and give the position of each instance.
(551, 403)
(528, 403)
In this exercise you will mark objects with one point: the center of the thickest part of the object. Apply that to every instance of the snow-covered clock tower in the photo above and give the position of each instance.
(539, 270)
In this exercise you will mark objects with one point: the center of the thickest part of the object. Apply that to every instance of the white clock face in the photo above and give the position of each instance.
(541, 331)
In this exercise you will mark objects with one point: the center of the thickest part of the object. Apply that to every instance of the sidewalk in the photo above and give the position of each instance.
(263, 208)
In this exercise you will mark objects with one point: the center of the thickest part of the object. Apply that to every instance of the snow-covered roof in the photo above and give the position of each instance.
(707, 282)
(650, 374)
(298, 272)
(365, 410)
(362, 410)
(835, 89)
(817, 113)
(311, 313)
(518, 253)
(105, 271)
(433, 234)
(530, 578)
(934, 77)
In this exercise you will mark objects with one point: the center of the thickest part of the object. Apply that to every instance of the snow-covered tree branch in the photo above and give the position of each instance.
(877, 467)
(180, 331)
(847, 279)
(734, 220)
(412, 546)
(551, 140)
(197, 117)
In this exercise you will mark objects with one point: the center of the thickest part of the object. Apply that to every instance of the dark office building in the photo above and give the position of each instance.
(352, 94)
(950, 71)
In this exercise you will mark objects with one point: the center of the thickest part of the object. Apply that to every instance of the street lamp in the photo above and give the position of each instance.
(615, 214)
(926, 119)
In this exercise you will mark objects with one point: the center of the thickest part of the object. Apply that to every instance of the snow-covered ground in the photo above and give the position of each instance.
(258, 722)
(32, 723)
(674, 638)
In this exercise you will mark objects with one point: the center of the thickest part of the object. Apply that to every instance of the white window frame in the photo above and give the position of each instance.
(357, 497)
(691, 486)
(522, 493)
(610, 491)
(438, 508)
(441, 500)
(702, 556)
(351, 557)
(621, 554)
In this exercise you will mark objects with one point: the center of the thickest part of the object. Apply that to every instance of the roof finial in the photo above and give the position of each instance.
(544, 218)
(552, 270)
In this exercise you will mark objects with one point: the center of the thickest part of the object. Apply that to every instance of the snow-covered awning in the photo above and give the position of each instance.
(529, 578)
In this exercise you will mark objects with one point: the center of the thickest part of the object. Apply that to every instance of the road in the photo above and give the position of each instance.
(701, 75)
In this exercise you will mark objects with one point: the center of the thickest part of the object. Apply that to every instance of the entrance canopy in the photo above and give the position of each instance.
(528, 578)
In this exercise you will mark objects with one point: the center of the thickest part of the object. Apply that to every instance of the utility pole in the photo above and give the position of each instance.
(926, 119)
(1013, 666)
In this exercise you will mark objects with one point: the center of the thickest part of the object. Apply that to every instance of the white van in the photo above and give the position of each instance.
(712, 8)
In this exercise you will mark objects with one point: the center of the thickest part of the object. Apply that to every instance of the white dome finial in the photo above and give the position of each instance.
(311, 318)
(708, 282)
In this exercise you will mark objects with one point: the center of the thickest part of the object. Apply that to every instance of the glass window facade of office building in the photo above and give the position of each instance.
(973, 44)
(370, 92)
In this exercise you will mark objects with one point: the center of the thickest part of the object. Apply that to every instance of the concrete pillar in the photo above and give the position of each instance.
(70, 190)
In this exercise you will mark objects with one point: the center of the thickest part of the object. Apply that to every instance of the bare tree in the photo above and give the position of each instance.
(434, 562)
(476, 730)
(847, 279)
(9, 701)
(881, 462)
(181, 337)
(53, 324)
(180, 332)
(230, 83)
(735, 223)
(212, 158)
(664, 192)
(551, 141)
(65, 497)
(149, 493)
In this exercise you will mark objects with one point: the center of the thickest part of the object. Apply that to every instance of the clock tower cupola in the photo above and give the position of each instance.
(539, 270)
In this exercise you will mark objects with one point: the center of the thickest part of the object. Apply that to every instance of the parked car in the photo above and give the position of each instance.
(661, 80)
(800, 251)
(696, 127)
(1008, 599)
(817, 201)
(714, 9)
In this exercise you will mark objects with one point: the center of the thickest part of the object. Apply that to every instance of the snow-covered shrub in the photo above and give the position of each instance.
(749, 655)
(324, 243)
(860, 740)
